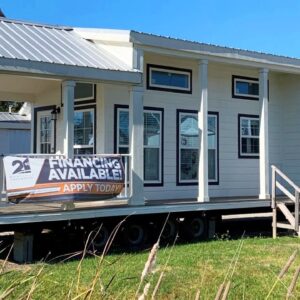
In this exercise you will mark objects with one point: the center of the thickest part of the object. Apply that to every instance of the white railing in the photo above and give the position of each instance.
(126, 158)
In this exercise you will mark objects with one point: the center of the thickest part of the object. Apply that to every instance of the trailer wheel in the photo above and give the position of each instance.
(134, 235)
(170, 231)
(101, 238)
(194, 228)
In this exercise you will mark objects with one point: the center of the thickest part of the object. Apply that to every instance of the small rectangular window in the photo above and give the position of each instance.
(245, 88)
(153, 122)
(248, 136)
(169, 79)
(84, 93)
(188, 147)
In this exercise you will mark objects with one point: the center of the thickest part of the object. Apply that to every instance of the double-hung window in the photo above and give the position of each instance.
(153, 133)
(84, 130)
(245, 88)
(248, 136)
(188, 147)
(169, 79)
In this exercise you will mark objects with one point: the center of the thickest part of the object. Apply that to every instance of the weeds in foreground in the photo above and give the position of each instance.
(148, 286)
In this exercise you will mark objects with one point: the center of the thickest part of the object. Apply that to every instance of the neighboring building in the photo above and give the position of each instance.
(15, 134)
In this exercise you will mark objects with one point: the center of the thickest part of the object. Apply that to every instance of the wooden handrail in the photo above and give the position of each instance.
(288, 180)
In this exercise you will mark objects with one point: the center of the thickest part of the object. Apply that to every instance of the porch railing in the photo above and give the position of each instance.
(126, 158)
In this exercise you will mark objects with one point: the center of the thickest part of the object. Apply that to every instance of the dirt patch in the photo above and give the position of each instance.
(7, 266)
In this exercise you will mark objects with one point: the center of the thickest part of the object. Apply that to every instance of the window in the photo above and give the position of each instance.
(248, 136)
(153, 120)
(245, 88)
(169, 79)
(84, 130)
(188, 147)
(46, 134)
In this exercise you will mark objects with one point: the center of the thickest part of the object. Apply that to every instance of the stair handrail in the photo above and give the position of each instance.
(294, 198)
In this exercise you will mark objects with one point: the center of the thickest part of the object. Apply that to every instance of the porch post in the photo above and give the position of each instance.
(264, 192)
(68, 122)
(202, 126)
(136, 127)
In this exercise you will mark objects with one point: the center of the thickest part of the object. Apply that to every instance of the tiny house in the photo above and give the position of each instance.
(198, 125)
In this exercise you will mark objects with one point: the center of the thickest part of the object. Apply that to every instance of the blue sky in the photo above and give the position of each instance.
(264, 25)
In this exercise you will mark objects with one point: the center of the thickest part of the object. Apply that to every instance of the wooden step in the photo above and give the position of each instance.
(286, 212)
(285, 225)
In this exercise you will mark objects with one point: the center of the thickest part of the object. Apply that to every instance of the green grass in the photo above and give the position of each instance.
(191, 267)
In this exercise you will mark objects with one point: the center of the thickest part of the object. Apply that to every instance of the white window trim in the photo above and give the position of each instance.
(118, 146)
(195, 181)
(169, 87)
(237, 94)
(76, 146)
(241, 153)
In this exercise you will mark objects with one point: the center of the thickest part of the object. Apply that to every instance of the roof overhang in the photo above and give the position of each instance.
(50, 70)
(194, 50)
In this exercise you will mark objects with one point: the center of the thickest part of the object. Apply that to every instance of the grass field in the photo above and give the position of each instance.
(251, 265)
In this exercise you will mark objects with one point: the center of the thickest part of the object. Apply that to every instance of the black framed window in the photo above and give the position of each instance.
(169, 79)
(153, 141)
(248, 136)
(188, 147)
(245, 88)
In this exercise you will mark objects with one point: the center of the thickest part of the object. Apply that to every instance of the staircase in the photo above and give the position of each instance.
(288, 204)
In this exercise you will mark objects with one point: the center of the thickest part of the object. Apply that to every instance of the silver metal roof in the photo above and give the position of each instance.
(54, 45)
(13, 117)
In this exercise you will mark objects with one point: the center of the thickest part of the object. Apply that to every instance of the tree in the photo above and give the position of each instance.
(4, 105)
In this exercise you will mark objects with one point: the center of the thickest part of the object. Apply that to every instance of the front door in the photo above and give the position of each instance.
(45, 131)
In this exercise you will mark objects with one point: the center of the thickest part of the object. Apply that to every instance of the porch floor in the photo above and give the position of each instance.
(51, 207)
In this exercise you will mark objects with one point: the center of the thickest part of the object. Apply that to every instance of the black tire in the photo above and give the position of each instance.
(194, 228)
(101, 238)
(170, 231)
(134, 235)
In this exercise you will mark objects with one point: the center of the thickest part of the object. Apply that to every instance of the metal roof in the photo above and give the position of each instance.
(54, 45)
(13, 117)
(148, 39)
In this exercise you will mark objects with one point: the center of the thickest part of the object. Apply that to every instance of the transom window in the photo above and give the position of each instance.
(188, 147)
(245, 88)
(169, 79)
(248, 136)
(153, 120)
(84, 130)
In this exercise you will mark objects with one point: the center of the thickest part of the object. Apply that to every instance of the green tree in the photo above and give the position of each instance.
(4, 105)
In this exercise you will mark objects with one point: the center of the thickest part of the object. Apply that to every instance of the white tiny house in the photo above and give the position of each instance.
(198, 125)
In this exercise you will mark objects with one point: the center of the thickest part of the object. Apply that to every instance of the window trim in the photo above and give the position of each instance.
(195, 182)
(117, 107)
(89, 107)
(241, 155)
(245, 79)
(151, 86)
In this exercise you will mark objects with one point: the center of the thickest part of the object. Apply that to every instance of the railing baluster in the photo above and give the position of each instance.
(274, 209)
(297, 212)
(126, 175)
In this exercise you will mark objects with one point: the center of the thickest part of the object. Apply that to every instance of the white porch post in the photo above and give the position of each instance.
(264, 192)
(68, 122)
(202, 126)
(136, 132)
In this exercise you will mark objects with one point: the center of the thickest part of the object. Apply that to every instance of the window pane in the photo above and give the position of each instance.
(189, 164)
(83, 90)
(212, 164)
(247, 88)
(85, 150)
(152, 129)
(123, 150)
(167, 78)
(255, 127)
(189, 135)
(151, 164)
(123, 127)
(250, 145)
(212, 137)
(84, 128)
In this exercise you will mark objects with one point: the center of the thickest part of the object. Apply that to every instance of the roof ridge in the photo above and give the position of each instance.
(22, 22)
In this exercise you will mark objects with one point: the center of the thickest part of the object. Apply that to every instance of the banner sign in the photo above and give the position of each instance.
(78, 179)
